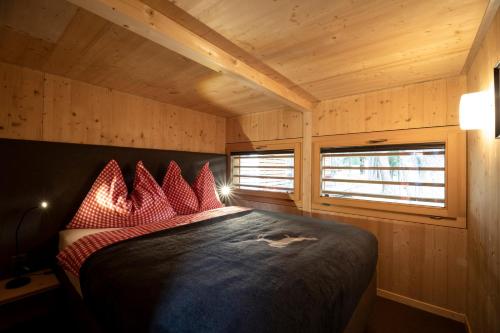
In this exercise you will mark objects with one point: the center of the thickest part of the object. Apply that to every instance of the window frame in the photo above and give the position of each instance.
(455, 183)
(262, 146)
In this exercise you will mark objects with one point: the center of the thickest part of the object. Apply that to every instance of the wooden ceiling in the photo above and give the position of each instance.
(59, 38)
(319, 49)
(337, 48)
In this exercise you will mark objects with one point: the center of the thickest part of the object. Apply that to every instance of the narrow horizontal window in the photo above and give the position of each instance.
(408, 174)
(270, 171)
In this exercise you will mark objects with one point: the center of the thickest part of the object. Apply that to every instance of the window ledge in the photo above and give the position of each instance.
(376, 215)
(279, 200)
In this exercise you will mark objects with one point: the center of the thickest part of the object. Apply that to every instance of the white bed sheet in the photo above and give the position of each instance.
(68, 237)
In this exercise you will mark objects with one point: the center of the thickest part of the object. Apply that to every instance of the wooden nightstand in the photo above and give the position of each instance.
(41, 281)
(31, 304)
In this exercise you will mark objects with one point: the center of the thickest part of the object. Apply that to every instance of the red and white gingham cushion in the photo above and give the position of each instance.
(180, 195)
(106, 205)
(73, 256)
(205, 189)
(149, 203)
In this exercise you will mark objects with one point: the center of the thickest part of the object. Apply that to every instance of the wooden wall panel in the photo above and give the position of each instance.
(424, 263)
(483, 254)
(21, 103)
(272, 125)
(427, 104)
(42, 106)
(420, 264)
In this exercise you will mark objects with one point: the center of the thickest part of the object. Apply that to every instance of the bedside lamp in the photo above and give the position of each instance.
(19, 280)
(225, 192)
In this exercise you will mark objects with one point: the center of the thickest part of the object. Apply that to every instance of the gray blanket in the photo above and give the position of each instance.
(254, 271)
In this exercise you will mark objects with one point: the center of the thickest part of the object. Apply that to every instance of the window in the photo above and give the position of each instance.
(266, 171)
(416, 175)
(271, 171)
(411, 174)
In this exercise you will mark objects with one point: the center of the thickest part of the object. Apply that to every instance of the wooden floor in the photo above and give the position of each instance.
(392, 317)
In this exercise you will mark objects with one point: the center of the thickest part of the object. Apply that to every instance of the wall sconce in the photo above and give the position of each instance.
(473, 109)
(478, 109)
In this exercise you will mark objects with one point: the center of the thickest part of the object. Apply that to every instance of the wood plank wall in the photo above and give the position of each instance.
(424, 263)
(483, 251)
(263, 126)
(40, 106)
(427, 104)
(418, 261)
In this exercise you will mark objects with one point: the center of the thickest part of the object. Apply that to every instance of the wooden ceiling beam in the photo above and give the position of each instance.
(151, 24)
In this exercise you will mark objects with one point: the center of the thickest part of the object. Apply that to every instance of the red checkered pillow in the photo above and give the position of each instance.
(107, 205)
(180, 195)
(205, 189)
(149, 203)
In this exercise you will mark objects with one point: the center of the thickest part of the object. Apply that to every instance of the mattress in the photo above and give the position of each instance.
(68, 237)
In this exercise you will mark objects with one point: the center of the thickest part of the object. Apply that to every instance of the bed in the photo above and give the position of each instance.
(232, 270)
(229, 269)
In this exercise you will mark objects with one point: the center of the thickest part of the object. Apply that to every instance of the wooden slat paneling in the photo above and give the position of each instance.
(340, 48)
(21, 102)
(49, 25)
(422, 262)
(157, 27)
(272, 125)
(427, 104)
(84, 47)
(40, 106)
(483, 251)
(79, 112)
(325, 59)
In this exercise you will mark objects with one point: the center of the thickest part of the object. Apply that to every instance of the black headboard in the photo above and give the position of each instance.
(62, 174)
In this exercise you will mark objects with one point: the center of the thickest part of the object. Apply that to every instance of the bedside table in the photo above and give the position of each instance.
(32, 304)
(41, 281)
